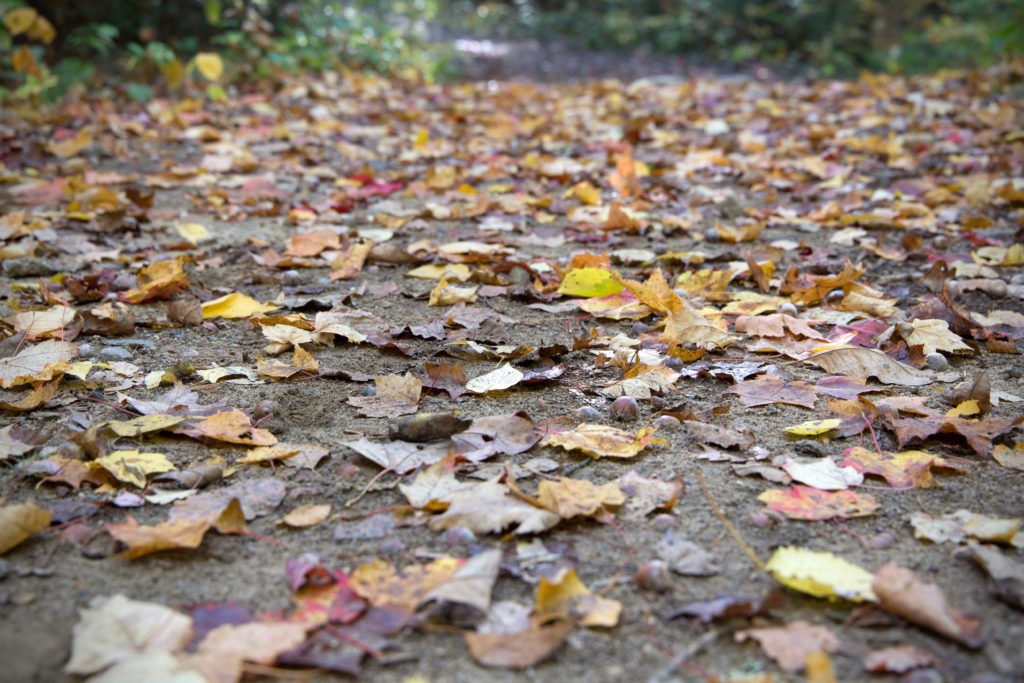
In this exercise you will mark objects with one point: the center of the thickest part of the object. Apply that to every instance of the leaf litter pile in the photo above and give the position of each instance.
(688, 379)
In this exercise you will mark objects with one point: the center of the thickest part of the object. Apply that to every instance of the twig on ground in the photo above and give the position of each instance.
(732, 530)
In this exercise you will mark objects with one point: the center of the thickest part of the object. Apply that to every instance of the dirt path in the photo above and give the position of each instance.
(510, 182)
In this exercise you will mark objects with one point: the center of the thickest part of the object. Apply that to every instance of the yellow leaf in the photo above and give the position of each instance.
(209, 64)
(821, 574)
(964, 409)
(589, 282)
(20, 20)
(133, 466)
(813, 427)
(18, 522)
(174, 74)
(235, 305)
(601, 441)
(564, 595)
(42, 30)
(193, 232)
(445, 294)
(306, 515)
(144, 424)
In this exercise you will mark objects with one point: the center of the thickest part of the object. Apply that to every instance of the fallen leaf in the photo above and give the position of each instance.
(653, 380)
(257, 498)
(471, 584)
(504, 377)
(19, 521)
(771, 389)
(864, 363)
(10, 446)
(570, 498)
(156, 281)
(899, 659)
(306, 516)
(644, 496)
(235, 305)
(229, 426)
(445, 377)
(686, 557)
(116, 628)
(210, 65)
(174, 534)
(589, 283)
(727, 607)
(519, 649)
(790, 645)
(302, 361)
(382, 584)
(933, 335)
(804, 502)
(488, 507)
(814, 427)
(133, 467)
(901, 592)
(725, 437)
(565, 596)
(823, 474)
(396, 395)
(221, 653)
(599, 441)
(36, 363)
(1006, 575)
(902, 470)
(445, 294)
(821, 574)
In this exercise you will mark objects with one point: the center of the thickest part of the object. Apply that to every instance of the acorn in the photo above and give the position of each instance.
(883, 540)
(936, 362)
(625, 409)
(835, 297)
(996, 289)
(653, 576)
(290, 278)
(667, 422)
(788, 308)
(459, 535)
(264, 408)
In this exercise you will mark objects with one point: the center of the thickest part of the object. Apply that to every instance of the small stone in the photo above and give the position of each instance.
(997, 289)
(653, 576)
(264, 408)
(123, 282)
(667, 422)
(86, 350)
(711, 235)
(936, 362)
(673, 362)
(640, 328)
(953, 288)
(368, 390)
(115, 353)
(788, 308)
(290, 278)
(625, 409)
(1018, 279)
(883, 540)
(459, 536)
(760, 520)
(665, 521)
(588, 414)
(835, 297)
(29, 266)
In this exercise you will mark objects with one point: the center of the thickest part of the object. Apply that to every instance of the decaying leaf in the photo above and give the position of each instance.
(180, 534)
(599, 441)
(863, 363)
(899, 659)
(804, 502)
(569, 498)
(902, 470)
(769, 389)
(519, 649)
(488, 507)
(728, 606)
(306, 515)
(381, 584)
(564, 595)
(901, 592)
(790, 645)
(396, 395)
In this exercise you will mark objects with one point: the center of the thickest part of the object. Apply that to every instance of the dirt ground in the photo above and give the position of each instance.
(47, 579)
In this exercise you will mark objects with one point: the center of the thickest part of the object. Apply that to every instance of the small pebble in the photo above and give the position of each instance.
(368, 390)
(711, 235)
(996, 289)
(936, 362)
(209, 327)
(290, 278)
(640, 328)
(588, 414)
(653, 576)
(115, 353)
(86, 350)
(760, 520)
(835, 297)
(788, 308)
(264, 408)
(459, 535)
(883, 540)
(625, 409)
(673, 362)
(1018, 279)
(667, 422)
(665, 521)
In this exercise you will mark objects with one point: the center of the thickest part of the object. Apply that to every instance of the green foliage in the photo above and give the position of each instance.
(836, 38)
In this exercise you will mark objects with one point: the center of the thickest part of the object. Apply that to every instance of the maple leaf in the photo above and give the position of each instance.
(578, 497)
(903, 470)
(792, 644)
(488, 507)
(932, 335)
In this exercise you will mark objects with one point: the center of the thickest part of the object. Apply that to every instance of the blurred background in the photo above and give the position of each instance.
(48, 46)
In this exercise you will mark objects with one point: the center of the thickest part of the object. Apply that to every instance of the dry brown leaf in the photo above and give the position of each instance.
(221, 653)
(520, 649)
(305, 516)
(863, 363)
(396, 395)
(791, 644)
(901, 592)
(488, 507)
(600, 441)
(171, 535)
(578, 497)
